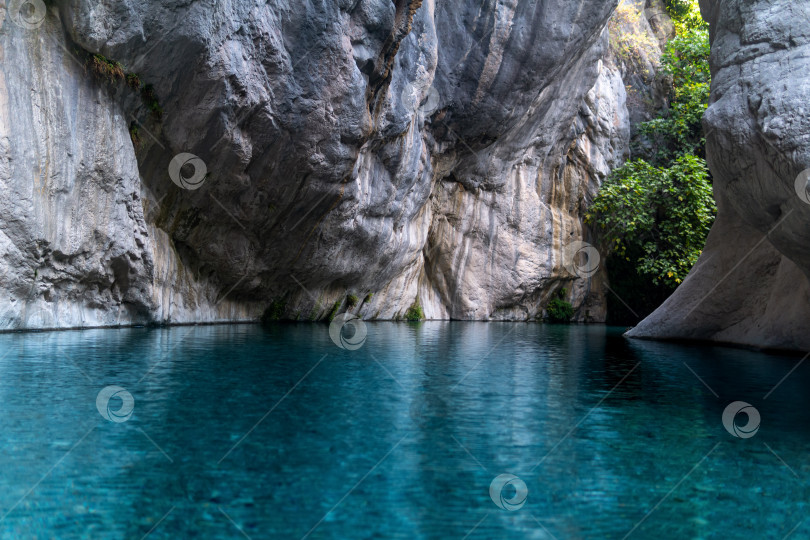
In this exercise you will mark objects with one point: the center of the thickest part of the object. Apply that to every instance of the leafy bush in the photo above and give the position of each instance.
(685, 65)
(652, 215)
(351, 301)
(368, 297)
(685, 14)
(657, 218)
(415, 312)
(558, 310)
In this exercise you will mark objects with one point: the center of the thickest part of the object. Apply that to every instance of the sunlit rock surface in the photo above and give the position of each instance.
(750, 286)
(422, 152)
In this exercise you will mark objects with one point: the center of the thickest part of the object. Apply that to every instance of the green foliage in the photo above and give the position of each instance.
(677, 8)
(652, 215)
(685, 64)
(629, 39)
(134, 81)
(334, 310)
(685, 14)
(351, 301)
(112, 72)
(275, 311)
(368, 297)
(150, 100)
(415, 312)
(106, 69)
(134, 134)
(558, 310)
(656, 217)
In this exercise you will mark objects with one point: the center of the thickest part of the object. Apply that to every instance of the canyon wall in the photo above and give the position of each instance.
(170, 162)
(750, 286)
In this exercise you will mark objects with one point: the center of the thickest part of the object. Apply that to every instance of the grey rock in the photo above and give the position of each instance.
(424, 152)
(750, 286)
(639, 31)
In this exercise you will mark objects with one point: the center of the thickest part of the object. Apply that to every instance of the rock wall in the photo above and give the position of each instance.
(402, 151)
(750, 286)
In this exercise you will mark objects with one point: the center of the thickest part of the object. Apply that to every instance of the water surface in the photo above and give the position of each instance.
(239, 431)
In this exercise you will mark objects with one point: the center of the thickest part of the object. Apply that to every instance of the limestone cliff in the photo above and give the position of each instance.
(750, 286)
(294, 152)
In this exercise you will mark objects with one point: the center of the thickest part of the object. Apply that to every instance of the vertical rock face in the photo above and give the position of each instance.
(751, 286)
(431, 153)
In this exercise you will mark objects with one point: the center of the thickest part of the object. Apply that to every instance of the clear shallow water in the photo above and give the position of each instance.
(239, 427)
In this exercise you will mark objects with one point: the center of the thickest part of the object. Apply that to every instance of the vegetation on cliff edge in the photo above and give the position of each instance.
(653, 214)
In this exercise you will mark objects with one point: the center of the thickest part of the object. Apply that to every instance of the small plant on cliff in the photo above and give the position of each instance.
(368, 297)
(106, 69)
(133, 81)
(333, 311)
(351, 301)
(415, 312)
(559, 311)
(134, 134)
(150, 100)
(112, 72)
(274, 312)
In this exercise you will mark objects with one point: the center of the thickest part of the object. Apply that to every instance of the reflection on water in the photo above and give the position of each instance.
(280, 433)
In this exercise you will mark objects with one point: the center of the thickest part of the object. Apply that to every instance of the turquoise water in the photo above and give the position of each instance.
(238, 431)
